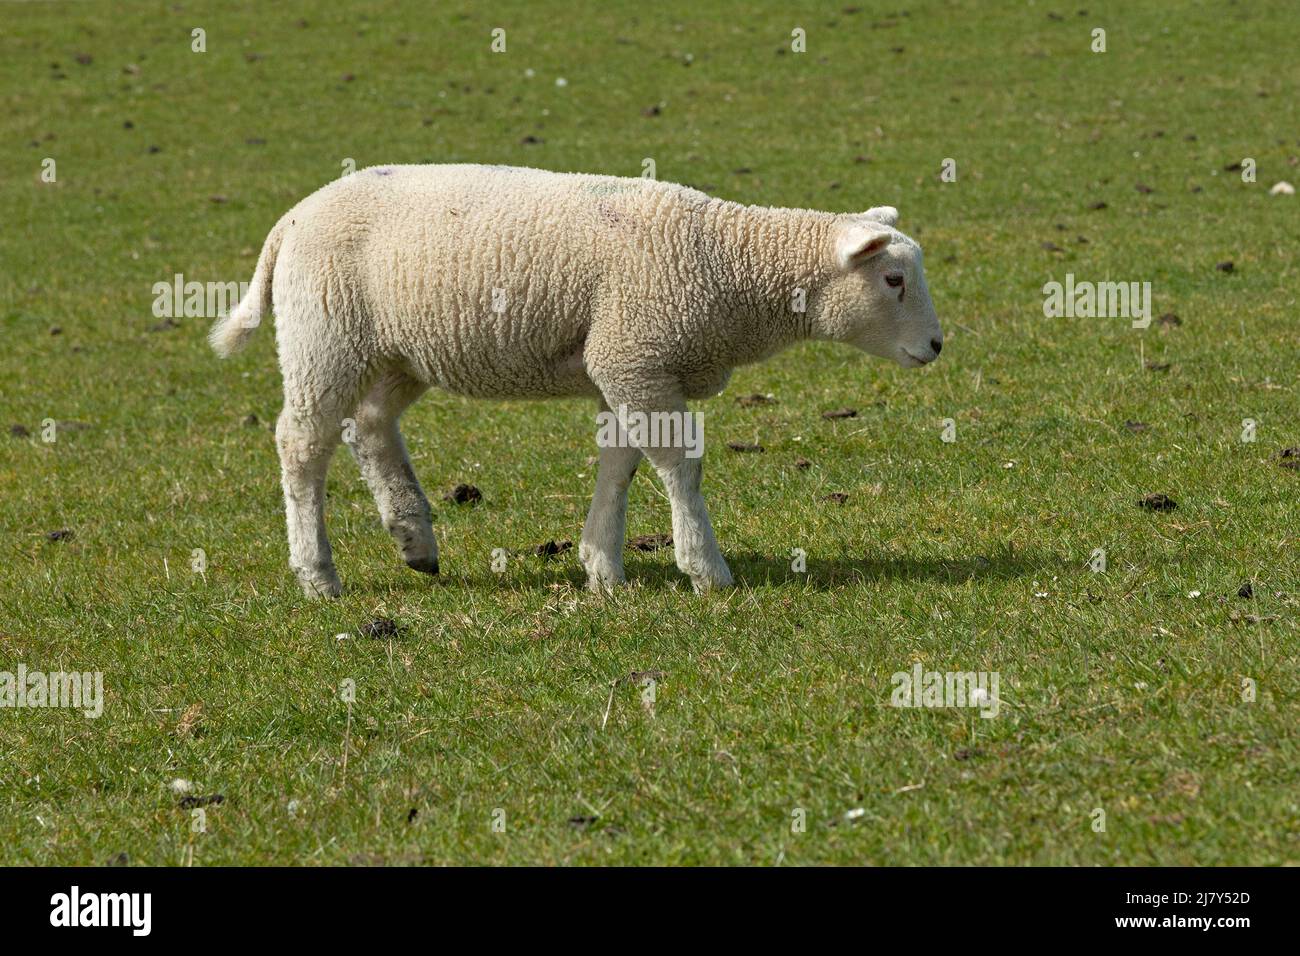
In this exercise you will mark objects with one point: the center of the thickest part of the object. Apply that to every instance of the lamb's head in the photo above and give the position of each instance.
(877, 298)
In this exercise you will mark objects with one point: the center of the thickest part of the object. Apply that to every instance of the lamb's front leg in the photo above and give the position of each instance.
(601, 550)
(694, 545)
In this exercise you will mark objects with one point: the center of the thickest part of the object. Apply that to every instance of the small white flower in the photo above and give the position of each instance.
(530, 73)
(1193, 594)
(1141, 685)
(180, 786)
(341, 637)
(855, 813)
(561, 81)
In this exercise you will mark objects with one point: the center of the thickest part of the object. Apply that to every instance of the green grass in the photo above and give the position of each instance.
(1120, 691)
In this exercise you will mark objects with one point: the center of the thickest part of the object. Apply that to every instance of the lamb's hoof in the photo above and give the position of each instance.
(604, 573)
(423, 565)
(713, 580)
(604, 585)
(321, 587)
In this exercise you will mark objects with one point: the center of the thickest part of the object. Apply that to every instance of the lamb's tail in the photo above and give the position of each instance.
(232, 332)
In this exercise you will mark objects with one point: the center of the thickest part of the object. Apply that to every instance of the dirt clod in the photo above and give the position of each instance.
(744, 447)
(62, 534)
(650, 542)
(1157, 502)
(463, 494)
(551, 548)
(213, 799)
(838, 497)
(750, 401)
(1246, 591)
(840, 413)
(379, 627)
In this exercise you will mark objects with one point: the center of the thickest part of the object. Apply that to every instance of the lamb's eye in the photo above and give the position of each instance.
(894, 280)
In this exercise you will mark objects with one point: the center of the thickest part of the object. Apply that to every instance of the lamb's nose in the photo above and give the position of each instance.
(937, 345)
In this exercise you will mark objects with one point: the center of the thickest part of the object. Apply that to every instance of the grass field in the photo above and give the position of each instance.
(505, 722)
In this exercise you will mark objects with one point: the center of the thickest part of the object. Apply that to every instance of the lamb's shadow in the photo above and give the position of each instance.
(847, 571)
(657, 571)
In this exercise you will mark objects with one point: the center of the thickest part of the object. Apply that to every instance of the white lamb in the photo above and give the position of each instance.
(502, 282)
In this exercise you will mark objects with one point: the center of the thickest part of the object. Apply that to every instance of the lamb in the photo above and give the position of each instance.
(504, 282)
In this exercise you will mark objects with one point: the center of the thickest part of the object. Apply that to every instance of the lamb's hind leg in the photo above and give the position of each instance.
(381, 455)
(306, 437)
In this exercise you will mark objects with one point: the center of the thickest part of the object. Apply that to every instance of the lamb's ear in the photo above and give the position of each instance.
(857, 241)
(887, 215)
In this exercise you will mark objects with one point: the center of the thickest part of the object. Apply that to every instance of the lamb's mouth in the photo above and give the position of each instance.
(908, 360)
